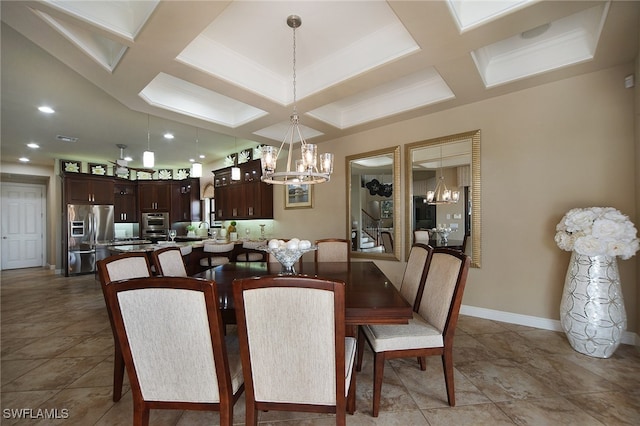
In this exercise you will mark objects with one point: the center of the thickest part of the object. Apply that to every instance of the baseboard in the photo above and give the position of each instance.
(628, 337)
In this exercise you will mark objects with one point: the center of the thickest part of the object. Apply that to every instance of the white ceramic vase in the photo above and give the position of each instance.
(592, 309)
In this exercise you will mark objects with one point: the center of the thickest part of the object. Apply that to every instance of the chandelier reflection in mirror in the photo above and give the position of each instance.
(442, 195)
(306, 169)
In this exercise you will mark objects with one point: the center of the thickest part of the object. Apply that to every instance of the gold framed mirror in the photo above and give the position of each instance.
(373, 204)
(452, 161)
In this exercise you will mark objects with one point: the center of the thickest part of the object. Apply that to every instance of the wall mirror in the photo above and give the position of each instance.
(432, 215)
(373, 204)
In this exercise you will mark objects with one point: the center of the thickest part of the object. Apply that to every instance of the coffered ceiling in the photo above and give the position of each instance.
(218, 75)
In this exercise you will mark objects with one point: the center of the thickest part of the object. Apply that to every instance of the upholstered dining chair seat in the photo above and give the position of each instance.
(418, 333)
(222, 254)
(250, 254)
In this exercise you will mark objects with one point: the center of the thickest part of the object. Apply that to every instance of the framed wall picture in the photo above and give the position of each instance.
(298, 196)
(97, 169)
(245, 155)
(70, 166)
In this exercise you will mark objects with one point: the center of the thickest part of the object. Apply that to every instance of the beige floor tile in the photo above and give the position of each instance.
(547, 411)
(473, 325)
(611, 408)
(12, 369)
(19, 404)
(56, 373)
(468, 415)
(99, 345)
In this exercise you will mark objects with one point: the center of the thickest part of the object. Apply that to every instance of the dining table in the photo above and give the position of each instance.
(370, 297)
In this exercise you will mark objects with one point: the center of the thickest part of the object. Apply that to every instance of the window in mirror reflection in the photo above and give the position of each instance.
(373, 203)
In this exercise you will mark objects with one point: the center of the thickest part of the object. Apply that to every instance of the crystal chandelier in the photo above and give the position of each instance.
(305, 169)
(442, 195)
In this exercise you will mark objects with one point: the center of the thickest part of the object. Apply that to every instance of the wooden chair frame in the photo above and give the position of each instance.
(157, 263)
(445, 351)
(105, 280)
(343, 403)
(332, 240)
(209, 289)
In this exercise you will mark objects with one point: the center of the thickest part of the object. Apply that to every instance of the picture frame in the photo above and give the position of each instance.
(164, 174)
(97, 169)
(70, 166)
(181, 174)
(298, 196)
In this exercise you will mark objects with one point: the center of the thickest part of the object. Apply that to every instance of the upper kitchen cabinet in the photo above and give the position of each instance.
(154, 196)
(185, 200)
(80, 188)
(125, 202)
(246, 198)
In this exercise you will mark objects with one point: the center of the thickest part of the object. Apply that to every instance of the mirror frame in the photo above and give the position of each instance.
(397, 210)
(476, 230)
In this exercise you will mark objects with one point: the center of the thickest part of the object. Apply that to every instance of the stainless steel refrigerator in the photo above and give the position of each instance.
(89, 226)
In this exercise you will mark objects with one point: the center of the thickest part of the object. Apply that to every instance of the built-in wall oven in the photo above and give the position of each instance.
(155, 226)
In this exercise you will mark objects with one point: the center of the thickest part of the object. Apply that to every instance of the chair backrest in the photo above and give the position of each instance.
(387, 241)
(171, 333)
(415, 273)
(219, 248)
(168, 262)
(292, 338)
(421, 236)
(333, 250)
(442, 293)
(123, 266)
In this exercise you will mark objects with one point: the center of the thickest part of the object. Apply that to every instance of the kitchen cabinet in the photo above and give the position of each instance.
(81, 188)
(185, 201)
(125, 202)
(248, 198)
(154, 196)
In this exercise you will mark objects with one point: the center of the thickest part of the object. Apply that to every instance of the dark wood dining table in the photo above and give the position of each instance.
(370, 297)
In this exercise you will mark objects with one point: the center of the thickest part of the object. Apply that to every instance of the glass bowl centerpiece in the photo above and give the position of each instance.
(288, 252)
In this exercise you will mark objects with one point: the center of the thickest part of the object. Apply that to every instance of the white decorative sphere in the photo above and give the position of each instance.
(304, 244)
(273, 244)
(292, 245)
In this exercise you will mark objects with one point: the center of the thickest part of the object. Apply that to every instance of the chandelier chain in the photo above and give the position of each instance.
(294, 71)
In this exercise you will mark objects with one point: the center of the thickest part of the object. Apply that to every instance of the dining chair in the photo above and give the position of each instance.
(295, 355)
(432, 328)
(169, 262)
(115, 268)
(221, 254)
(172, 338)
(413, 279)
(250, 254)
(387, 241)
(333, 250)
(421, 236)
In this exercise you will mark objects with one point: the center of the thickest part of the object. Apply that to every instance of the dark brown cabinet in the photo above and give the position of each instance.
(87, 189)
(154, 196)
(185, 200)
(247, 198)
(125, 202)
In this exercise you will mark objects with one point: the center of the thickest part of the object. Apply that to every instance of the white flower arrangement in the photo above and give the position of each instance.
(596, 231)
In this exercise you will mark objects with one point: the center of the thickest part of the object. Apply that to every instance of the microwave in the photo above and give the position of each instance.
(155, 221)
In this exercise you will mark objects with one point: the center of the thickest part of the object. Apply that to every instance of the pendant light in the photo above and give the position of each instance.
(442, 195)
(306, 169)
(235, 170)
(196, 166)
(148, 157)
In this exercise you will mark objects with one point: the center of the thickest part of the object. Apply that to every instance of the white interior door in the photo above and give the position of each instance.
(22, 225)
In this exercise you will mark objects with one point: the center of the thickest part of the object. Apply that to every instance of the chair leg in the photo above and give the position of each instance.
(251, 413)
(351, 395)
(422, 360)
(226, 413)
(140, 415)
(360, 348)
(447, 365)
(118, 372)
(378, 374)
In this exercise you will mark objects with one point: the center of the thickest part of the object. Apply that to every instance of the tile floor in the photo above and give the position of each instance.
(57, 354)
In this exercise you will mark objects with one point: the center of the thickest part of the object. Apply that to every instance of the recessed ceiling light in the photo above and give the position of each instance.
(168, 135)
(127, 158)
(192, 160)
(33, 145)
(24, 159)
(201, 156)
(46, 109)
